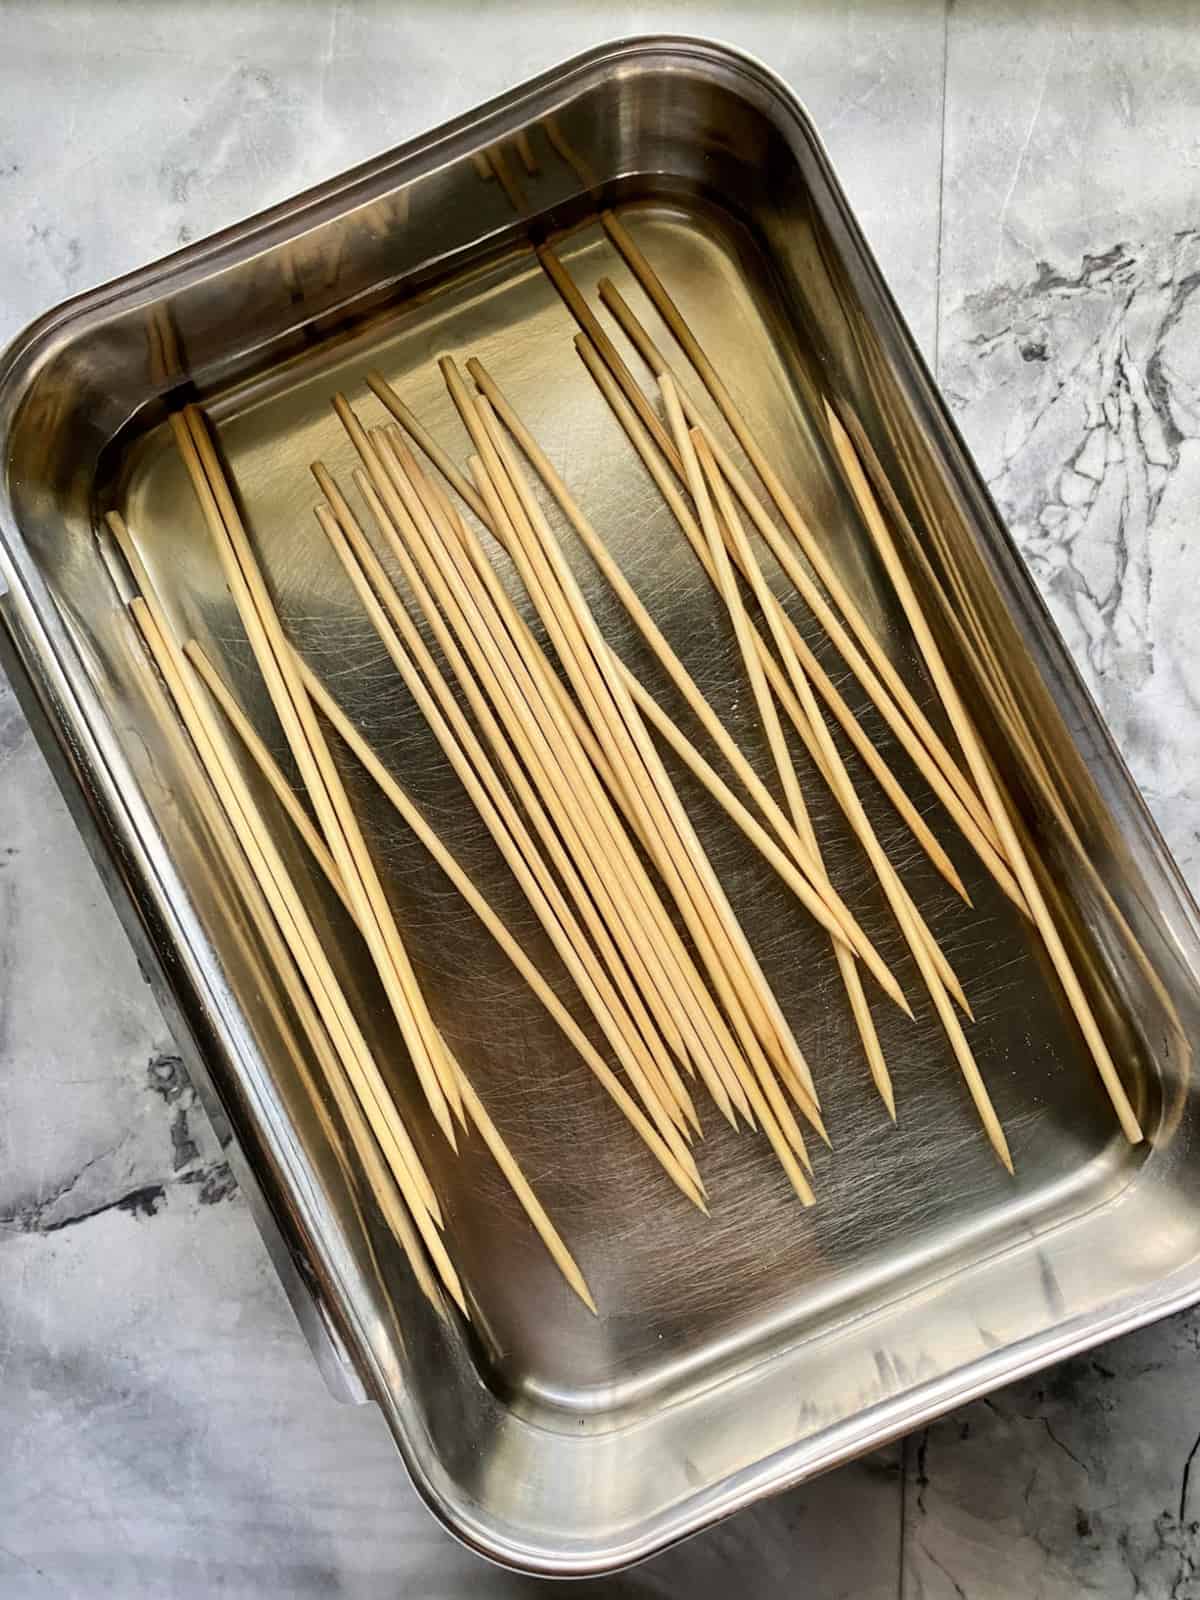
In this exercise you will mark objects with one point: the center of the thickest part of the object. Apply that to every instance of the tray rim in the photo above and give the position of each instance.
(191, 999)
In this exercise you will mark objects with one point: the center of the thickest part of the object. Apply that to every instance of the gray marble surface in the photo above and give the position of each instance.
(1027, 175)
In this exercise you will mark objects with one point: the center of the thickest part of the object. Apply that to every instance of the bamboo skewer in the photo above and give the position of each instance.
(757, 836)
(499, 931)
(428, 445)
(778, 679)
(498, 813)
(554, 603)
(510, 680)
(920, 949)
(559, 732)
(909, 919)
(290, 912)
(265, 762)
(830, 762)
(975, 642)
(683, 679)
(847, 968)
(850, 725)
(648, 1081)
(719, 1058)
(586, 318)
(529, 1201)
(342, 834)
(214, 754)
(781, 686)
(979, 841)
(278, 946)
(963, 816)
(474, 1106)
(982, 773)
(362, 750)
(488, 517)
(569, 620)
(500, 816)
(698, 914)
(727, 586)
(694, 451)
(646, 770)
(724, 1060)
(675, 321)
(429, 1053)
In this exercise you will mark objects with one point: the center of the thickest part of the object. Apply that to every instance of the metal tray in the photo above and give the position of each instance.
(734, 1356)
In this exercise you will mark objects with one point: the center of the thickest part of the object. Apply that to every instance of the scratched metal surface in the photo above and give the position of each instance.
(883, 1192)
(734, 1353)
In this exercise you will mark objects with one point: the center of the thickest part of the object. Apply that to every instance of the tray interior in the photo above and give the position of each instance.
(678, 1293)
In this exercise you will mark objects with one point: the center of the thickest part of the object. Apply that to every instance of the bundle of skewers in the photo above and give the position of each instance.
(559, 749)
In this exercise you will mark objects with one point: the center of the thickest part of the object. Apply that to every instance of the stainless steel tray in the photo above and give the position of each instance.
(736, 1356)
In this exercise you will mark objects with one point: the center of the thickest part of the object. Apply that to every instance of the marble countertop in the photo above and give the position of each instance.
(1027, 175)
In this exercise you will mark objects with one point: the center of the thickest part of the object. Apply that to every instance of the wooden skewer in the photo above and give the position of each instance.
(982, 773)
(976, 643)
(642, 910)
(514, 680)
(657, 842)
(494, 924)
(777, 1122)
(547, 754)
(779, 683)
(834, 770)
(391, 513)
(321, 778)
(715, 1048)
(530, 1203)
(270, 768)
(848, 970)
(671, 315)
(279, 946)
(979, 839)
(694, 451)
(525, 150)
(775, 673)
(680, 676)
(475, 1109)
(577, 642)
(980, 842)
(657, 838)
(474, 1106)
(640, 823)
(425, 442)
(829, 692)
(215, 755)
(719, 1057)
(586, 318)
(602, 683)
(929, 973)
(501, 818)
(509, 182)
(496, 810)
(644, 767)
(290, 912)
(728, 588)
(489, 518)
